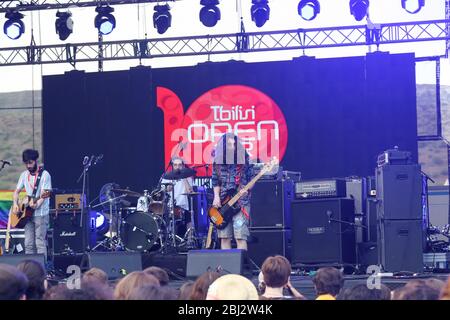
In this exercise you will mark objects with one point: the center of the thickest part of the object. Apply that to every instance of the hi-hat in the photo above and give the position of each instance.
(179, 174)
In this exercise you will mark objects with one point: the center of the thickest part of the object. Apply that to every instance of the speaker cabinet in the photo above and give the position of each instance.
(224, 261)
(70, 234)
(400, 245)
(115, 264)
(321, 232)
(15, 259)
(270, 204)
(399, 192)
(268, 242)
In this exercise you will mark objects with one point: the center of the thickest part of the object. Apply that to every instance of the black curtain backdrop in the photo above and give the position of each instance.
(341, 113)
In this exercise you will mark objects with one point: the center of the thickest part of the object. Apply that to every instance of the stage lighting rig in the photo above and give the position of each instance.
(359, 8)
(260, 12)
(308, 9)
(14, 26)
(64, 24)
(105, 21)
(210, 13)
(162, 19)
(413, 6)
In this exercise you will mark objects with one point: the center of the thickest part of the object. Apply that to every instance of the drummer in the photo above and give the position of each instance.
(181, 188)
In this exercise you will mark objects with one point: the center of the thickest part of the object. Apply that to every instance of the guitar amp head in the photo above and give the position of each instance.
(68, 201)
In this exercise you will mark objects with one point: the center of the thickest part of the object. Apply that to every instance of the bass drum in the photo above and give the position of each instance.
(142, 232)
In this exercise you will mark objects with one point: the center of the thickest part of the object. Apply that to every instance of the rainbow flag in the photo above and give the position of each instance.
(6, 197)
(6, 200)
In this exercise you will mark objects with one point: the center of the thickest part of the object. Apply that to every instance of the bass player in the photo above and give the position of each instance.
(232, 170)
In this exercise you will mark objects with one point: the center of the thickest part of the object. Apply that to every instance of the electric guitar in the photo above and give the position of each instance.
(220, 217)
(20, 217)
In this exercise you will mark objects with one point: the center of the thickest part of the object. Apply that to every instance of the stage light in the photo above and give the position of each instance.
(105, 21)
(64, 24)
(413, 6)
(99, 222)
(162, 19)
(210, 13)
(260, 12)
(308, 9)
(14, 26)
(358, 8)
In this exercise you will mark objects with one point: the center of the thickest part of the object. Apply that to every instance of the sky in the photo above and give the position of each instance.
(134, 21)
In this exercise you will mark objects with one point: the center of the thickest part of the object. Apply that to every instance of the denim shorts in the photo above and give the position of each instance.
(237, 228)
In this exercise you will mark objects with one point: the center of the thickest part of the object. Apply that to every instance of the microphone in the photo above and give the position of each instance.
(98, 159)
(9, 163)
(329, 214)
(85, 160)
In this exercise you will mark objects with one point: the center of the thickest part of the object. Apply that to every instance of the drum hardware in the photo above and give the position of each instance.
(113, 240)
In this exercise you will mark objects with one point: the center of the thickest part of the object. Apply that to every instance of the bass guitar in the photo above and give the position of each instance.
(220, 217)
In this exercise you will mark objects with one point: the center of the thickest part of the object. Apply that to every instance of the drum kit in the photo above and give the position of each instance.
(151, 225)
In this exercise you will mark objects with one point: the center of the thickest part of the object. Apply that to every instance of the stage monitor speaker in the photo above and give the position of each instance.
(15, 259)
(174, 264)
(115, 264)
(321, 231)
(223, 261)
(399, 192)
(271, 203)
(268, 242)
(70, 236)
(400, 245)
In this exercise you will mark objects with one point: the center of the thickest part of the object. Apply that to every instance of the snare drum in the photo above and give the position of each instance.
(142, 231)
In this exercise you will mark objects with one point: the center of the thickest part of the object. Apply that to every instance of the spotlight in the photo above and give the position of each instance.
(64, 24)
(105, 21)
(413, 6)
(162, 19)
(260, 12)
(14, 26)
(308, 9)
(210, 13)
(359, 8)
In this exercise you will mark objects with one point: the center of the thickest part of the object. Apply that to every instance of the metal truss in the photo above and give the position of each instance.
(33, 5)
(299, 39)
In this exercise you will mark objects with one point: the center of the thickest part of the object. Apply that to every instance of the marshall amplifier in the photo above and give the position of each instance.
(331, 188)
(70, 234)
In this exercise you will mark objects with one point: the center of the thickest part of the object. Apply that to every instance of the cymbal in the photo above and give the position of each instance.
(191, 194)
(127, 192)
(179, 174)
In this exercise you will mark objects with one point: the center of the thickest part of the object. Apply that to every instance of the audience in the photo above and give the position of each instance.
(132, 281)
(232, 287)
(186, 290)
(445, 292)
(159, 274)
(36, 275)
(362, 292)
(328, 282)
(13, 283)
(276, 273)
(28, 281)
(418, 289)
(201, 285)
(95, 274)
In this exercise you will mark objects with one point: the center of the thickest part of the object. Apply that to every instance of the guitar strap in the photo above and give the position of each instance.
(37, 182)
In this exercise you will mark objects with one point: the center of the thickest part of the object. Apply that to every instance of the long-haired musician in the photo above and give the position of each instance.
(232, 170)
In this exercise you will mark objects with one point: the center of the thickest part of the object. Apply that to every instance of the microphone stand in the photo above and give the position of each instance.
(84, 176)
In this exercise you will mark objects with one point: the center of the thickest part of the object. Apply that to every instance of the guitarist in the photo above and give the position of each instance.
(36, 228)
(232, 170)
